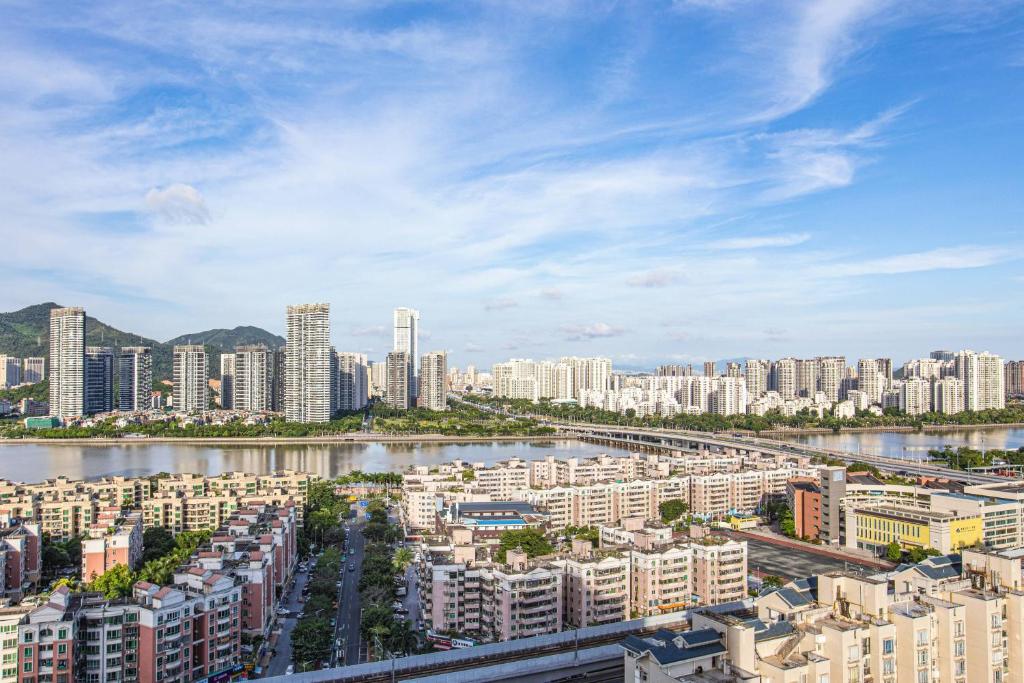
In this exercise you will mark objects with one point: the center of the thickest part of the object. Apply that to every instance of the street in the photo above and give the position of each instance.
(279, 663)
(347, 629)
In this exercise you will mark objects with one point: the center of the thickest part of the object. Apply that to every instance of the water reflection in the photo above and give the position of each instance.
(915, 445)
(34, 462)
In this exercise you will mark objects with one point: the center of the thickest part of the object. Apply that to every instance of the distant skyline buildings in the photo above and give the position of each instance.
(99, 379)
(406, 339)
(191, 378)
(135, 378)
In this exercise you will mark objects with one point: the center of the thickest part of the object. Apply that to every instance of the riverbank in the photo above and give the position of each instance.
(927, 429)
(328, 439)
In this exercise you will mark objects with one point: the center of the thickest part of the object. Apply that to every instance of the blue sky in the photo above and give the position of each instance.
(652, 181)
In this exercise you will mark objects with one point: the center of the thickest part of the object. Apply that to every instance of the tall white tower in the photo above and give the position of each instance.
(67, 362)
(191, 378)
(307, 389)
(407, 332)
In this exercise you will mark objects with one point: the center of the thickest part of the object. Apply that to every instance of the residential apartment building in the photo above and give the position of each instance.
(99, 379)
(114, 538)
(252, 380)
(353, 381)
(983, 379)
(227, 381)
(10, 371)
(399, 393)
(33, 370)
(135, 378)
(308, 359)
(191, 378)
(596, 586)
(433, 381)
(67, 362)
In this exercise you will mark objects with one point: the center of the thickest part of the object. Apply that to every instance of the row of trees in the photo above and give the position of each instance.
(377, 585)
(276, 427)
(709, 422)
(965, 457)
(312, 638)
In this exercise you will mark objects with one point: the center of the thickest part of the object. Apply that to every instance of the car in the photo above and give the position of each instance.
(351, 567)
(290, 670)
(351, 551)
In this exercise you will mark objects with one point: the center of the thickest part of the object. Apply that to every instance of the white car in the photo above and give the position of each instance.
(290, 670)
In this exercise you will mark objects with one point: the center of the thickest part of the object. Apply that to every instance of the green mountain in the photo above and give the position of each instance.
(229, 339)
(26, 333)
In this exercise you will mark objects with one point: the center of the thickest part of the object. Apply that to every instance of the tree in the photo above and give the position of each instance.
(156, 542)
(672, 510)
(532, 541)
(402, 559)
(772, 581)
(114, 583)
(311, 641)
(893, 552)
(787, 525)
(916, 555)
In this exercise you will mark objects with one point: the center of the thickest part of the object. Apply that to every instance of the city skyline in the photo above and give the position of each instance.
(655, 183)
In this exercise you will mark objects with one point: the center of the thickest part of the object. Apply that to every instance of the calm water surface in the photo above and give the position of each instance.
(35, 462)
(915, 445)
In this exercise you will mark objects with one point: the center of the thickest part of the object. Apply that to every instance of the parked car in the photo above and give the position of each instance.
(351, 567)
(290, 670)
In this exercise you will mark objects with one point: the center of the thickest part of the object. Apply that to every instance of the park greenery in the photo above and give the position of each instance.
(461, 419)
(895, 553)
(532, 541)
(40, 391)
(773, 420)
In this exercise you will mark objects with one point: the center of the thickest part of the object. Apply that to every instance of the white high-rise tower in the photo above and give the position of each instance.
(307, 389)
(67, 362)
(191, 378)
(407, 332)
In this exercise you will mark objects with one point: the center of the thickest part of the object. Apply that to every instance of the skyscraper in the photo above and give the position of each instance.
(307, 395)
(67, 362)
(709, 368)
(407, 334)
(99, 379)
(34, 370)
(434, 381)
(10, 372)
(135, 378)
(831, 370)
(252, 379)
(191, 378)
(352, 380)
(397, 394)
(227, 380)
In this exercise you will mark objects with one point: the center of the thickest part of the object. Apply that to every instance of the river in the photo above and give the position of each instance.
(915, 445)
(35, 462)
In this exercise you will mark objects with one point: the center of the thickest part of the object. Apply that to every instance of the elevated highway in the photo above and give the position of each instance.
(688, 441)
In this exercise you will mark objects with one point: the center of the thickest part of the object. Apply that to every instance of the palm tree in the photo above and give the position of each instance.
(402, 639)
(402, 559)
(378, 633)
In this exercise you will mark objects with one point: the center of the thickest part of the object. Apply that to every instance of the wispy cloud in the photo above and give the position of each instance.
(371, 331)
(761, 242)
(968, 256)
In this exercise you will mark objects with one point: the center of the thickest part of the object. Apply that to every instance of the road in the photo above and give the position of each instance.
(280, 662)
(347, 629)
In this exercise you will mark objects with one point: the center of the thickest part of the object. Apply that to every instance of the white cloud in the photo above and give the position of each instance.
(371, 331)
(500, 304)
(178, 203)
(761, 242)
(652, 279)
(594, 331)
(552, 294)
